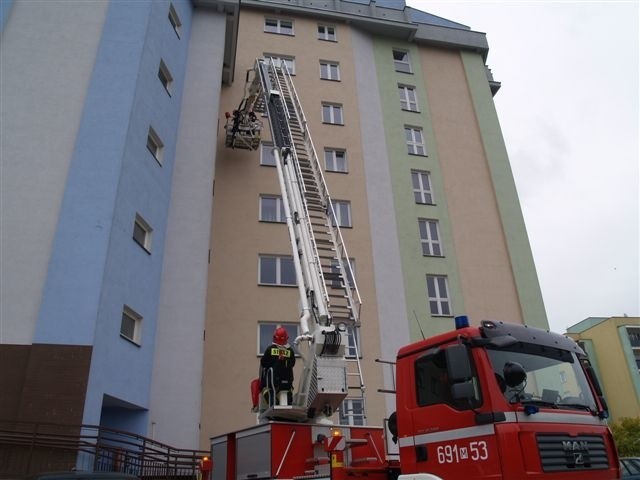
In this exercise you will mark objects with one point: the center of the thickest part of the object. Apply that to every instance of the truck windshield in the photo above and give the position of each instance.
(554, 377)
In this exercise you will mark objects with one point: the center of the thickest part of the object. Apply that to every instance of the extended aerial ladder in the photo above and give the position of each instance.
(328, 296)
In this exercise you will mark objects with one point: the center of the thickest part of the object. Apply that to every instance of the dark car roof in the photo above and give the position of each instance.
(630, 468)
(82, 475)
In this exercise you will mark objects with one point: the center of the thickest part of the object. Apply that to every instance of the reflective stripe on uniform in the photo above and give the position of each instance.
(280, 352)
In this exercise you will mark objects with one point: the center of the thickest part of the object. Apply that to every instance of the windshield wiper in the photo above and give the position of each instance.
(541, 403)
(580, 406)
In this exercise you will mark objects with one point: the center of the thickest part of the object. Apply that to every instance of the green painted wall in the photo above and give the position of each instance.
(415, 266)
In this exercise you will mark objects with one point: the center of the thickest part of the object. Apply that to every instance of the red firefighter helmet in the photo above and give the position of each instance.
(280, 336)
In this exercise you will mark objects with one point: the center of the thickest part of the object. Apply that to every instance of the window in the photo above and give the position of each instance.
(142, 233)
(335, 160)
(155, 145)
(131, 325)
(276, 25)
(332, 113)
(433, 386)
(352, 348)
(401, 61)
(352, 412)
(329, 70)
(415, 141)
(174, 20)
(408, 99)
(165, 77)
(430, 237)
(421, 182)
(282, 61)
(342, 212)
(265, 334)
(266, 154)
(272, 209)
(326, 32)
(276, 270)
(438, 293)
(336, 281)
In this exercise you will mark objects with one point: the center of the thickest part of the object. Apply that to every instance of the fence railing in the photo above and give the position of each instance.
(30, 448)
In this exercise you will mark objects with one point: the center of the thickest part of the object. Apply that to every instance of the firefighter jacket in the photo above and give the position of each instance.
(277, 360)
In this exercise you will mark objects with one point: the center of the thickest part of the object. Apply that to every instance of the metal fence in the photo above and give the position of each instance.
(30, 448)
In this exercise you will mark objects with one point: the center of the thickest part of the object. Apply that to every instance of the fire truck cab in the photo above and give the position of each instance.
(501, 401)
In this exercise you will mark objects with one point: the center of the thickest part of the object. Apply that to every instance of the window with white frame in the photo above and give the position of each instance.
(327, 32)
(142, 233)
(352, 348)
(342, 212)
(415, 141)
(276, 270)
(267, 157)
(155, 145)
(422, 192)
(131, 325)
(272, 209)
(352, 412)
(408, 98)
(350, 268)
(335, 160)
(430, 237)
(329, 70)
(282, 61)
(401, 61)
(165, 77)
(278, 25)
(332, 113)
(438, 294)
(265, 334)
(174, 19)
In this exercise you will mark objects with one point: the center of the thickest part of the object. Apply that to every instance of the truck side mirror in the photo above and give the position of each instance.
(463, 390)
(458, 363)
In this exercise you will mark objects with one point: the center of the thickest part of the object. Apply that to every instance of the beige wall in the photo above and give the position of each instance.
(235, 301)
(485, 273)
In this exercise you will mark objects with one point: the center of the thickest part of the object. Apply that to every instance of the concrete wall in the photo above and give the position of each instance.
(76, 171)
(177, 373)
(415, 266)
(131, 275)
(484, 267)
(389, 284)
(236, 303)
(516, 239)
(42, 104)
(611, 353)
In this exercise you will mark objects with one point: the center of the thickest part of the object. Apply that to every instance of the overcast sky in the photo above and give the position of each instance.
(569, 112)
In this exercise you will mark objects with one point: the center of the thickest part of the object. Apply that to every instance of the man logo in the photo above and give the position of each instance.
(569, 446)
(578, 459)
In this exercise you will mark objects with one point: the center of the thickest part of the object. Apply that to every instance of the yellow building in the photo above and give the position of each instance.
(613, 346)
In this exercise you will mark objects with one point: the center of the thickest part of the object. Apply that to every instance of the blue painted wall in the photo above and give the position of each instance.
(96, 267)
(5, 9)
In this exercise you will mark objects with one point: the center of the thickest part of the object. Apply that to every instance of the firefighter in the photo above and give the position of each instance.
(276, 369)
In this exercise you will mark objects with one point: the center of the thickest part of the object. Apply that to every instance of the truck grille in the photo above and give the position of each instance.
(561, 453)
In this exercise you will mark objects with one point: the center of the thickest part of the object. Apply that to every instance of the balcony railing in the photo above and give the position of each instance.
(31, 448)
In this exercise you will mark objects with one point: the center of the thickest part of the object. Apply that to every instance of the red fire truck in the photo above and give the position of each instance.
(492, 401)
(498, 401)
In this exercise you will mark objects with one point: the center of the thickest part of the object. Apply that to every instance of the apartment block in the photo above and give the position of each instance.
(613, 347)
(145, 265)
